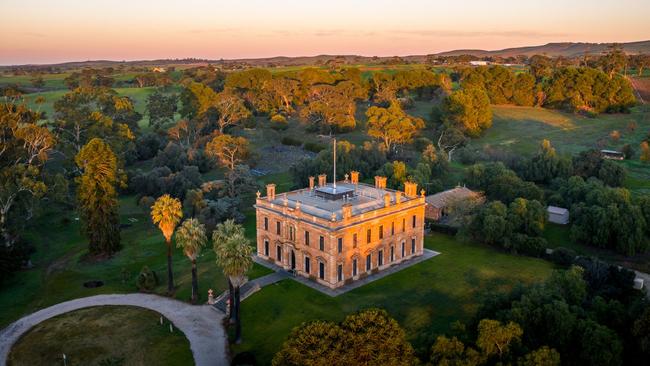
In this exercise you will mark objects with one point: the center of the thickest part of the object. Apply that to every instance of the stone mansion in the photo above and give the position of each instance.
(338, 232)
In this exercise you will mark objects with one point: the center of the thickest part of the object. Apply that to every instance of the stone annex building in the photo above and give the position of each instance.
(335, 233)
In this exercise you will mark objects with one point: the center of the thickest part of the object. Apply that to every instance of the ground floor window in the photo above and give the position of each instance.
(266, 248)
(321, 270)
(380, 258)
(278, 253)
(368, 262)
(413, 246)
(307, 265)
(339, 272)
(354, 267)
(403, 250)
(392, 254)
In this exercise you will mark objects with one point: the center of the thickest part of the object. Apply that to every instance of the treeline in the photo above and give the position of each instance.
(568, 88)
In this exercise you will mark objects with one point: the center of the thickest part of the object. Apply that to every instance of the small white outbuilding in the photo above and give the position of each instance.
(558, 215)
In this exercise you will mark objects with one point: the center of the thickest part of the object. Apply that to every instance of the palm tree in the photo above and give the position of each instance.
(221, 234)
(234, 255)
(191, 237)
(167, 212)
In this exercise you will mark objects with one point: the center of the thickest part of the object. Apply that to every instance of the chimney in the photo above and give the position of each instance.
(270, 192)
(410, 189)
(322, 180)
(354, 177)
(387, 200)
(347, 210)
(380, 182)
(311, 183)
(398, 197)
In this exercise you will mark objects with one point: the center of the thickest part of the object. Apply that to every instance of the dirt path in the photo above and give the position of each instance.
(200, 324)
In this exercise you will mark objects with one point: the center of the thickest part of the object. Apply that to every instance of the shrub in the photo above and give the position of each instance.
(147, 280)
(279, 122)
(314, 147)
(562, 256)
(146, 202)
(290, 141)
(421, 143)
(250, 122)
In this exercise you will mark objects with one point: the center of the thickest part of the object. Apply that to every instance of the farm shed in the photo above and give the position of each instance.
(438, 203)
(612, 154)
(558, 215)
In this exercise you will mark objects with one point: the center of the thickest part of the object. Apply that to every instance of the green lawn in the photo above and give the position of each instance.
(424, 298)
(90, 336)
(60, 270)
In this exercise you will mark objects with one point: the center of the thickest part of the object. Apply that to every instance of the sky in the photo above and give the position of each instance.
(49, 31)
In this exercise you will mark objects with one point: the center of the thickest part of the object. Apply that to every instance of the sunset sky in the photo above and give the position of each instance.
(33, 31)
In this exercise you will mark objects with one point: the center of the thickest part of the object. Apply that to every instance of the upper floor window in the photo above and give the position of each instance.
(392, 228)
(306, 238)
(403, 224)
(340, 245)
(322, 243)
(368, 235)
(381, 232)
(354, 240)
(414, 221)
(278, 228)
(266, 223)
(292, 233)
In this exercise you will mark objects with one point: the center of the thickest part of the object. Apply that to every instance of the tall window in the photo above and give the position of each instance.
(321, 270)
(307, 265)
(403, 224)
(321, 244)
(339, 272)
(292, 233)
(266, 248)
(266, 223)
(392, 253)
(380, 258)
(381, 232)
(354, 267)
(392, 228)
(340, 245)
(278, 227)
(368, 262)
(403, 250)
(368, 236)
(278, 253)
(413, 246)
(354, 240)
(306, 238)
(414, 221)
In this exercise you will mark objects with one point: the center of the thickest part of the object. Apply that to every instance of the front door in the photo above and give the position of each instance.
(293, 260)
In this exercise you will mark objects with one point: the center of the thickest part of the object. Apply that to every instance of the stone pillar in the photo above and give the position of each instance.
(322, 180)
(398, 197)
(354, 177)
(410, 189)
(270, 192)
(380, 182)
(387, 200)
(347, 210)
(311, 183)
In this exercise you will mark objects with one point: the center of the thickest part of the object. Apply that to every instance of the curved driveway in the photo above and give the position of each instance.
(201, 324)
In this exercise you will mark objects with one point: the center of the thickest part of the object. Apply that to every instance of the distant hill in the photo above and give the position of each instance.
(565, 49)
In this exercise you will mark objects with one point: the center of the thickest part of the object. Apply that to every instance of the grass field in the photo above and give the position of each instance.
(425, 298)
(521, 129)
(60, 270)
(90, 336)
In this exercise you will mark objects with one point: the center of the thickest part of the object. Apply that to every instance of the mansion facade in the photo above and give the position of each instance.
(338, 232)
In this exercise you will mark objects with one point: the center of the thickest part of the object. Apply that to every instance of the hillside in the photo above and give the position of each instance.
(565, 49)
